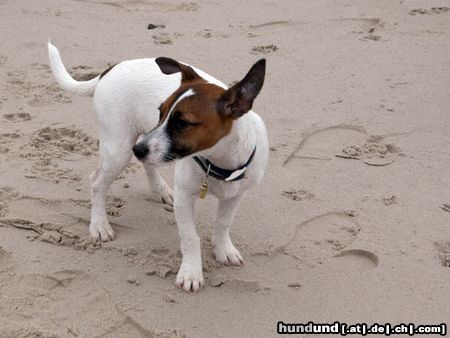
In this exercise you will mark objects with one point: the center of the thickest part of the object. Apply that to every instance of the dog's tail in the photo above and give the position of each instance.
(64, 79)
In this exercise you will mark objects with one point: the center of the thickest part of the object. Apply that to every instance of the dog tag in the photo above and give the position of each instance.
(203, 190)
(235, 174)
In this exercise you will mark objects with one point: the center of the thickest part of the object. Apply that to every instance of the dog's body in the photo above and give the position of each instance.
(139, 96)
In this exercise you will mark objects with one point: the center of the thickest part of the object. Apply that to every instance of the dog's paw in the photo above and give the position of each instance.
(101, 231)
(227, 254)
(189, 279)
(163, 193)
(166, 193)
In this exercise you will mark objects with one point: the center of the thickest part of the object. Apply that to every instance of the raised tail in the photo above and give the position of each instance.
(64, 79)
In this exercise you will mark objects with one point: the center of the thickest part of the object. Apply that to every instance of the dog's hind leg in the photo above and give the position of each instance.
(160, 190)
(113, 160)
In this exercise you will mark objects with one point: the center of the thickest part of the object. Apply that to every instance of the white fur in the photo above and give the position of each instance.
(230, 152)
(63, 77)
(126, 102)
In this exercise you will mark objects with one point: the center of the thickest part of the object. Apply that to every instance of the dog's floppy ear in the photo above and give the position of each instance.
(238, 99)
(170, 66)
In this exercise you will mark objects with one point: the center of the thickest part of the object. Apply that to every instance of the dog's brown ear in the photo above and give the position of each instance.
(170, 66)
(238, 99)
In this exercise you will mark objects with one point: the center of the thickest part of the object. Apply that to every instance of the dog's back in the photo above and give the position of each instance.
(130, 91)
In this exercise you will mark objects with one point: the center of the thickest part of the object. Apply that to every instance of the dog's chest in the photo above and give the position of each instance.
(226, 190)
(223, 190)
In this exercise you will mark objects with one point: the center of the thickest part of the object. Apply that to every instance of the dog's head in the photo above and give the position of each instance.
(198, 114)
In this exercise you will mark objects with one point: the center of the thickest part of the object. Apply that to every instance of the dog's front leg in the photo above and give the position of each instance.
(224, 249)
(190, 275)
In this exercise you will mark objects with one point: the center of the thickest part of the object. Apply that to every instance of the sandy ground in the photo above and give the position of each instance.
(350, 224)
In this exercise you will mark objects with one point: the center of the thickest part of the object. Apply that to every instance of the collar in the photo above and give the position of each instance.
(223, 174)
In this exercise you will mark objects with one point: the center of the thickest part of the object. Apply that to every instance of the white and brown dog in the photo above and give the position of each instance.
(175, 111)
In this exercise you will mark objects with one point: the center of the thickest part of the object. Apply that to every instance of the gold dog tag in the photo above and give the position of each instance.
(203, 190)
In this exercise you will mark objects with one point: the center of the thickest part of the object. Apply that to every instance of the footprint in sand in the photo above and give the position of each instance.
(342, 141)
(6, 139)
(443, 248)
(17, 117)
(50, 144)
(115, 206)
(433, 10)
(36, 93)
(323, 144)
(323, 236)
(209, 33)
(264, 49)
(368, 28)
(298, 195)
(445, 207)
(58, 142)
(162, 39)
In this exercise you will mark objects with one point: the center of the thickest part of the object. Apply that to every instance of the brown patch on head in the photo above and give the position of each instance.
(194, 123)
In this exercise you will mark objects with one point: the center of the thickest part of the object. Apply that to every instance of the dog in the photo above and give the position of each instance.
(164, 110)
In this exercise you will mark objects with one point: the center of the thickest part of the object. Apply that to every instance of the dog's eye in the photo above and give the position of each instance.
(180, 123)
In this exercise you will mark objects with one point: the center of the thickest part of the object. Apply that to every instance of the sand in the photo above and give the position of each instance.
(351, 223)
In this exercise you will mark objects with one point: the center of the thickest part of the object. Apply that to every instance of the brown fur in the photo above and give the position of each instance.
(201, 110)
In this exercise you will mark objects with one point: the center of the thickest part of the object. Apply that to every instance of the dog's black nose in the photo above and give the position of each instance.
(140, 150)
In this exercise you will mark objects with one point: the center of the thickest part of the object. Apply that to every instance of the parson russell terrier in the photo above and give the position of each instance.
(176, 112)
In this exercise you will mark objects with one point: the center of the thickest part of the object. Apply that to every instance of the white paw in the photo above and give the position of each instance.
(163, 193)
(167, 195)
(189, 279)
(101, 231)
(227, 254)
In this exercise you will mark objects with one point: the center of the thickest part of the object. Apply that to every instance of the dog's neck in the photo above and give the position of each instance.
(234, 149)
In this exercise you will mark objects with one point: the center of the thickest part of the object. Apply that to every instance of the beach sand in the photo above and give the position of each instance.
(351, 223)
